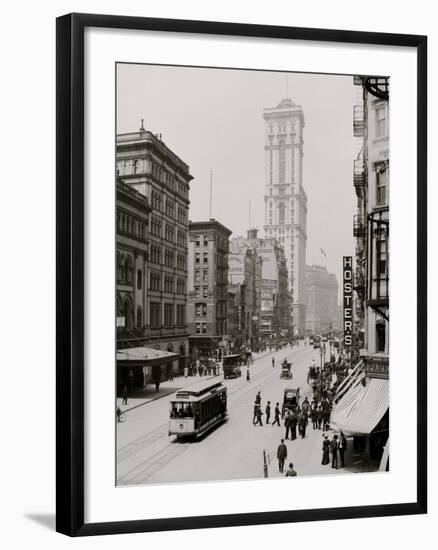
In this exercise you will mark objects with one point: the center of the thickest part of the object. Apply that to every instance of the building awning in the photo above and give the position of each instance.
(143, 356)
(361, 408)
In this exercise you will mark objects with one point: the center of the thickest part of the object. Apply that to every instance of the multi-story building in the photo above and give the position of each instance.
(147, 166)
(322, 300)
(207, 304)
(274, 302)
(244, 271)
(285, 198)
(370, 422)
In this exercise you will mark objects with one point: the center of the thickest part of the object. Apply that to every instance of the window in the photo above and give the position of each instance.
(380, 121)
(180, 315)
(197, 292)
(381, 257)
(139, 279)
(205, 240)
(155, 280)
(205, 258)
(381, 183)
(168, 315)
(204, 328)
(139, 317)
(380, 336)
(197, 275)
(205, 275)
(198, 328)
(281, 161)
(198, 240)
(204, 291)
(154, 314)
(197, 258)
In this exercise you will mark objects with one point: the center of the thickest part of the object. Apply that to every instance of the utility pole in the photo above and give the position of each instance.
(265, 465)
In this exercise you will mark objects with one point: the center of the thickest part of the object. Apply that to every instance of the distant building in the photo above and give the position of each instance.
(285, 198)
(322, 300)
(245, 272)
(147, 166)
(275, 303)
(207, 304)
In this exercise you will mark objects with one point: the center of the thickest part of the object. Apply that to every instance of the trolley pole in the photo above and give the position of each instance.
(265, 465)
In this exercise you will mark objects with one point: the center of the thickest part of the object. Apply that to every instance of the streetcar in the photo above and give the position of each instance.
(231, 365)
(197, 408)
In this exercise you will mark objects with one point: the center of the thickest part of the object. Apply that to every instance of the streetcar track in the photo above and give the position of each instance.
(175, 448)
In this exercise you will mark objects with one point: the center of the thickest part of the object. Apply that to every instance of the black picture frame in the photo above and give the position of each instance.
(70, 273)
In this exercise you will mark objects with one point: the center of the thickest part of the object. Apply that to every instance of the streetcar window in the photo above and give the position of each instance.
(180, 410)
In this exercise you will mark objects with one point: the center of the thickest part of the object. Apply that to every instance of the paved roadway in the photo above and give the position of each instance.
(232, 450)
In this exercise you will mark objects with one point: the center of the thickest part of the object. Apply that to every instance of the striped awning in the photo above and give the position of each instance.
(361, 408)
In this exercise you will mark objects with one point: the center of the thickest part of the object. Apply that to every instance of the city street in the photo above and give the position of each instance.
(146, 454)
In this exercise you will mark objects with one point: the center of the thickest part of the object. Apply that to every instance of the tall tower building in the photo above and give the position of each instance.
(285, 198)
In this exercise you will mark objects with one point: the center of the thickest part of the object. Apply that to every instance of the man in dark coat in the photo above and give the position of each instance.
(277, 415)
(258, 398)
(342, 446)
(254, 417)
(259, 414)
(334, 446)
(291, 472)
(281, 455)
(287, 425)
(125, 396)
(268, 412)
(293, 425)
(303, 424)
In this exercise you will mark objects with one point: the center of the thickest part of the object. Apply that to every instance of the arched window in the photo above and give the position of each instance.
(119, 266)
(139, 317)
(122, 268)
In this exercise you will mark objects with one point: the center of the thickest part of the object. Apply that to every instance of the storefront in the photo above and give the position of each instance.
(361, 410)
(137, 367)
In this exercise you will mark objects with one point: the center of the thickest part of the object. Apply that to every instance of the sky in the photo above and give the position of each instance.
(213, 120)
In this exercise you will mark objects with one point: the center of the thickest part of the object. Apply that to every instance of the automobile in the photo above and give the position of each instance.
(286, 370)
(316, 344)
(291, 400)
(231, 365)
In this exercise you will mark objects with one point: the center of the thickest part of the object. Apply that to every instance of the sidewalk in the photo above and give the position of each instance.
(146, 395)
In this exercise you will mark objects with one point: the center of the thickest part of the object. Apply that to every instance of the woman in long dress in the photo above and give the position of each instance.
(325, 451)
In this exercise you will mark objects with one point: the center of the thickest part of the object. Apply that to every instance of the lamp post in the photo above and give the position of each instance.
(321, 353)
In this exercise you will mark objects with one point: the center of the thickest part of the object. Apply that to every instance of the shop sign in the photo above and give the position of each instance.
(348, 300)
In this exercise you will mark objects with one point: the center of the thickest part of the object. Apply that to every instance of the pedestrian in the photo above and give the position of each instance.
(291, 472)
(334, 450)
(171, 375)
(305, 405)
(342, 448)
(254, 417)
(287, 425)
(319, 417)
(186, 372)
(259, 414)
(273, 362)
(303, 424)
(157, 386)
(258, 398)
(281, 455)
(118, 413)
(293, 425)
(276, 415)
(268, 412)
(125, 395)
(248, 379)
(325, 450)
(314, 417)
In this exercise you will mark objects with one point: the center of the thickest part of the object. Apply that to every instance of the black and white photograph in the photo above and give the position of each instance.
(252, 274)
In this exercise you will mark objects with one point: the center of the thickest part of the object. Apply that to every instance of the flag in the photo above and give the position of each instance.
(323, 253)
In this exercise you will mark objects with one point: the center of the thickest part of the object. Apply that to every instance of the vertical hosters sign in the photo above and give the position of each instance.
(348, 300)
